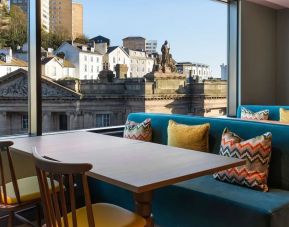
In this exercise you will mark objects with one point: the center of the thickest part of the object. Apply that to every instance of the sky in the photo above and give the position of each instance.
(195, 29)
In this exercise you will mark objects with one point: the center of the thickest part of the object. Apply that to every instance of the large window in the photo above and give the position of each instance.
(90, 69)
(120, 69)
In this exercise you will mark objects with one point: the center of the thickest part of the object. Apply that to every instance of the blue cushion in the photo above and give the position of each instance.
(206, 202)
(279, 165)
(274, 111)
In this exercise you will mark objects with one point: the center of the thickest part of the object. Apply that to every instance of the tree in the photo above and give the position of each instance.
(52, 40)
(16, 34)
(81, 39)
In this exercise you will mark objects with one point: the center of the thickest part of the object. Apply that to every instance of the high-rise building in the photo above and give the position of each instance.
(224, 72)
(61, 16)
(77, 20)
(134, 43)
(45, 20)
(151, 46)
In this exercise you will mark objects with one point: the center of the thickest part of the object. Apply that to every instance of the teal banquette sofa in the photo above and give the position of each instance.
(274, 111)
(204, 201)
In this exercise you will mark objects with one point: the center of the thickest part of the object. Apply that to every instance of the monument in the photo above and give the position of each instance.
(165, 78)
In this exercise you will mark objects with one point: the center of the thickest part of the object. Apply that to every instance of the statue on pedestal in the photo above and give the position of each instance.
(167, 63)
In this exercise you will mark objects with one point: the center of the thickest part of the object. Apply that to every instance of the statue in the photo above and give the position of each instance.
(165, 55)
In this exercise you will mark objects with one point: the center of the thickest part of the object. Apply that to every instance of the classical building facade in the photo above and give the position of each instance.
(88, 62)
(84, 104)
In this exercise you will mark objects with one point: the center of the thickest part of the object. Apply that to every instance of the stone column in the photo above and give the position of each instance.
(3, 123)
(47, 122)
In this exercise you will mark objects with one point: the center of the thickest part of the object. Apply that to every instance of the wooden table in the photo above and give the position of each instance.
(137, 166)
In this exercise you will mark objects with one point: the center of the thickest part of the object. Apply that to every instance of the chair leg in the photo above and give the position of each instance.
(38, 215)
(11, 219)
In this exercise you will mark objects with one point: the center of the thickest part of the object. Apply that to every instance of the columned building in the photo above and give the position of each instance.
(79, 104)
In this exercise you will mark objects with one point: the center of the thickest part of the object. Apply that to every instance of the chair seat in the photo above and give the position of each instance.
(28, 190)
(108, 215)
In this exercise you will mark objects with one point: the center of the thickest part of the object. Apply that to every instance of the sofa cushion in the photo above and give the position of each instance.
(261, 115)
(256, 152)
(193, 137)
(138, 131)
(274, 114)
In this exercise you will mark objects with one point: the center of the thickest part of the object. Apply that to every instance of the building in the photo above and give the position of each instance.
(140, 63)
(100, 39)
(134, 43)
(45, 18)
(101, 104)
(224, 72)
(195, 70)
(8, 63)
(77, 20)
(116, 55)
(151, 46)
(61, 16)
(57, 68)
(87, 61)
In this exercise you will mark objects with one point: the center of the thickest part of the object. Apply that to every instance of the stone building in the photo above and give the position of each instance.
(79, 104)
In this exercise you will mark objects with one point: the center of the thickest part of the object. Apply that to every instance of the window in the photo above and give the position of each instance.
(81, 100)
(24, 120)
(102, 120)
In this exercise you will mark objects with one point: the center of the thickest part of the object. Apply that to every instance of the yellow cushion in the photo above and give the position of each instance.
(284, 115)
(108, 215)
(194, 137)
(28, 189)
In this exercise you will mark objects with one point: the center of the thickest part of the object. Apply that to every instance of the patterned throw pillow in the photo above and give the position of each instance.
(138, 131)
(250, 115)
(257, 153)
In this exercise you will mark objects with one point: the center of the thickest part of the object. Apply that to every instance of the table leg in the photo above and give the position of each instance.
(143, 206)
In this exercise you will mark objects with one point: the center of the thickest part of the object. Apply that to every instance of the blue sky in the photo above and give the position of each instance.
(195, 29)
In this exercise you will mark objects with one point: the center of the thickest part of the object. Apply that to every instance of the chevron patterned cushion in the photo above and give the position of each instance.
(250, 115)
(257, 153)
(138, 131)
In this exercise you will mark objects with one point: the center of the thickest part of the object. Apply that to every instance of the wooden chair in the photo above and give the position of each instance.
(18, 194)
(56, 210)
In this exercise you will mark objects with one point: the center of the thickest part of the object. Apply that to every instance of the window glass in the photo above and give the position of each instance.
(114, 71)
(13, 68)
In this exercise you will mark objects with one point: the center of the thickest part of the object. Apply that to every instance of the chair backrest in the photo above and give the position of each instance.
(56, 197)
(4, 148)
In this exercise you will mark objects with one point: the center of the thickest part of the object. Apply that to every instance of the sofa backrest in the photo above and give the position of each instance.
(274, 111)
(279, 165)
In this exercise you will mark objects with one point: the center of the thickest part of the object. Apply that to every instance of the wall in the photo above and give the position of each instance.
(282, 57)
(258, 54)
